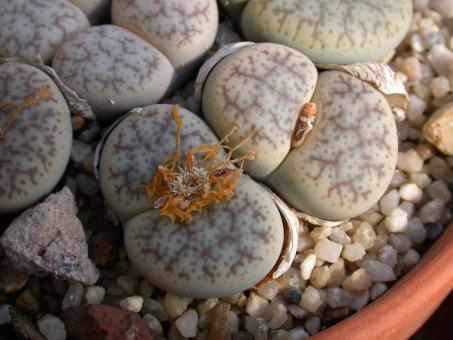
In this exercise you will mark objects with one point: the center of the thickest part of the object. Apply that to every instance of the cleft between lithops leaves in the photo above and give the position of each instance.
(382, 78)
(12, 109)
(209, 65)
(185, 184)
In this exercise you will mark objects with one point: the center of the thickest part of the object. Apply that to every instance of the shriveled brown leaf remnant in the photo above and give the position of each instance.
(184, 184)
(304, 124)
(13, 109)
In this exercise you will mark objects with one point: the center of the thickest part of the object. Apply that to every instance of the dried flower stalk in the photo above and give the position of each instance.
(185, 184)
(42, 94)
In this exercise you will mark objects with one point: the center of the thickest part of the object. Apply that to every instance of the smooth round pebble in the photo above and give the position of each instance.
(94, 295)
(262, 87)
(330, 31)
(52, 327)
(183, 30)
(132, 303)
(114, 69)
(347, 161)
(34, 29)
(35, 148)
(187, 323)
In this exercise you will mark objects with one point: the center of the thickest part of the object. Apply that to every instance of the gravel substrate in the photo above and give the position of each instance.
(337, 270)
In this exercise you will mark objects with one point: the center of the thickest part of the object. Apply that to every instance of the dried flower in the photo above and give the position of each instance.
(184, 184)
(12, 109)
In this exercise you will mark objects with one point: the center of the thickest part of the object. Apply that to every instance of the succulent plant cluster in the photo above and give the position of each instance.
(332, 159)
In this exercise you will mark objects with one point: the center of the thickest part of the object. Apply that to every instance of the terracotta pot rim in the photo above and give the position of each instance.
(408, 304)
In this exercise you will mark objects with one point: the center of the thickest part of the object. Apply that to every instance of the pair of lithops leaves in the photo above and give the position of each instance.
(150, 50)
(339, 171)
(326, 31)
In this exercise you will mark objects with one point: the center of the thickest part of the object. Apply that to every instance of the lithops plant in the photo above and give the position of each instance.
(263, 87)
(96, 10)
(183, 30)
(226, 247)
(330, 31)
(337, 170)
(33, 29)
(35, 135)
(348, 159)
(114, 69)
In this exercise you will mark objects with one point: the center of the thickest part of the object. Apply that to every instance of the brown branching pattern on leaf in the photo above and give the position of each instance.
(28, 33)
(131, 63)
(234, 246)
(312, 16)
(275, 74)
(28, 149)
(179, 22)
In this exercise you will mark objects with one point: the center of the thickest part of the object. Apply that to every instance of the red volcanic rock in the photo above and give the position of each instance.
(99, 322)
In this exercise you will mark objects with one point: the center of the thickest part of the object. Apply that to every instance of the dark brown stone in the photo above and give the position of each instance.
(22, 326)
(103, 249)
(100, 322)
(10, 280)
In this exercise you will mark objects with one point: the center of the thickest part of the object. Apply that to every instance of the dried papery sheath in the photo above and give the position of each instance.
(315, 220)
(207, 67)
(383, 78)
(304, 124)
(77, 105)
(291, 224)
(185, 184)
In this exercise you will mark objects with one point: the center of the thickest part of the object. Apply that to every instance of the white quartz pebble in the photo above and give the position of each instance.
(174, 305)
(256, 305)
(389, 201)
(411, 192)
(396, 222)
(312, 299)
(409, 161)
(439, 190)
(431, 212)
(52, 327)
(400, 242)
(132, 303)
(377, 290)
(327, 250)
(360, 300)
(307, 265)
(187, 323)
(365, 235)
(358, 281)
(353, 252)
(379, 272)
(388, 255)
(339, 297)
(313, 324)
(416, 230)
(94, 295)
